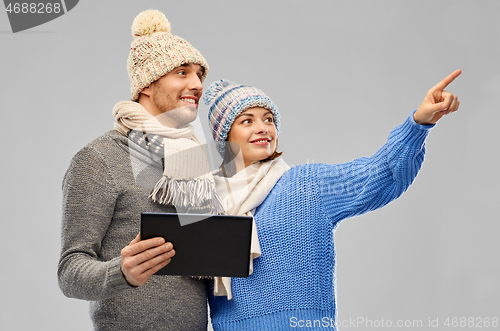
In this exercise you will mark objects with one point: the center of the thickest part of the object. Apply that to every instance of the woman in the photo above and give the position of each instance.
(296, 211)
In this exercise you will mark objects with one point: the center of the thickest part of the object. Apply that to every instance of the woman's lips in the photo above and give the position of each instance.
(261, 142)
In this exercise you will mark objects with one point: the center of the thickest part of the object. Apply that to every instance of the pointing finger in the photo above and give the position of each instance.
(445, 82)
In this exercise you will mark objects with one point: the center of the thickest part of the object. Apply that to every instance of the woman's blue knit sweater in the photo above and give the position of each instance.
(293, 283)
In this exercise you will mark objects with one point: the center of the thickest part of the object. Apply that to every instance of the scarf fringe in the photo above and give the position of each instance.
(185, 194)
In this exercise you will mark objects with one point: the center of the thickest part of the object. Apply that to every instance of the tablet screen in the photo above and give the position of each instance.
(205, 245)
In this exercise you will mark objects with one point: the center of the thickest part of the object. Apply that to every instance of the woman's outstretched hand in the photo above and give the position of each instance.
(438, 102)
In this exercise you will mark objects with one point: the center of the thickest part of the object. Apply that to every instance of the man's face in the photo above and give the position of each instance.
(175, 96)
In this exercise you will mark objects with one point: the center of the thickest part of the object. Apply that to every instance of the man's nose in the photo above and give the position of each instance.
(195, 83)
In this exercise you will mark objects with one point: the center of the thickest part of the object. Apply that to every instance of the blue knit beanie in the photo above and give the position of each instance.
(227, 100)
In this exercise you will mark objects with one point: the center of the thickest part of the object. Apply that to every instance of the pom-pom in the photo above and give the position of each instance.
(148, 22)
(215, 88)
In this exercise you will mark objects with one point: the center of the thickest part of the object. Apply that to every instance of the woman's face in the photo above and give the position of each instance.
(254, 131)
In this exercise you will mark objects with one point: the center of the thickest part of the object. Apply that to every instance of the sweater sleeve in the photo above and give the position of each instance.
(369, 183)
(89, 197)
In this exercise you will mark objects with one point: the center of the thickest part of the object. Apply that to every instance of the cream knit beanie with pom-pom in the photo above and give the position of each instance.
(155, 51)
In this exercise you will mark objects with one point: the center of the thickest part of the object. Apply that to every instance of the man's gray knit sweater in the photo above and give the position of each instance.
(104, 192)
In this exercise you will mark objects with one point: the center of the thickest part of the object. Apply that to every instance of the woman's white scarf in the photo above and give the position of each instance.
(187, 180)
(241, 195)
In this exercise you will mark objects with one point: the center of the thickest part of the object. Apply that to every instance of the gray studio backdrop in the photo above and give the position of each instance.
(343, 74)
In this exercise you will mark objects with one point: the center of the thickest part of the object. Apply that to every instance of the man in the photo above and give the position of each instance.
(134, 169)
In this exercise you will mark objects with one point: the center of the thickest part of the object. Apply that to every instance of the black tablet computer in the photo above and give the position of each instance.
(205, 245)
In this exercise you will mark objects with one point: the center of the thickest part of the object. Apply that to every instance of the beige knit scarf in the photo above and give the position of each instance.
(241, 195)
(187, 181)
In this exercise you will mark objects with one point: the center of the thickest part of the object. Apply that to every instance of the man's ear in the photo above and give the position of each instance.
(146, 91)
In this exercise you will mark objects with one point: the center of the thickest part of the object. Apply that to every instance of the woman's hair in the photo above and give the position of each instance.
(275, 155)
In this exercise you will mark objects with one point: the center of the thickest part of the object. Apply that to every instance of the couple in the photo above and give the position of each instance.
(152, 160)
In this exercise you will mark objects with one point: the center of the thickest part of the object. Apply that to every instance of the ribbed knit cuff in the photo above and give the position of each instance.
(115, 280)
(409, 133)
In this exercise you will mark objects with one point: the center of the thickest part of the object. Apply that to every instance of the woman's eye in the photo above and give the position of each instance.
(181, 72)
(269, 119)
(245, 121)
